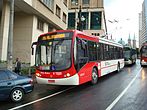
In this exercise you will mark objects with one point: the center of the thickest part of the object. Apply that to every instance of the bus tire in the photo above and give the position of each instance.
(118, 67)
(94, 76)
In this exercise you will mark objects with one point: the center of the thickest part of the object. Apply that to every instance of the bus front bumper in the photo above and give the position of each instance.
(73, 80)
(143, 62)
(128, 62)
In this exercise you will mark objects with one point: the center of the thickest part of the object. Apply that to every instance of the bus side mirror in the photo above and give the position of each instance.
(34, 43)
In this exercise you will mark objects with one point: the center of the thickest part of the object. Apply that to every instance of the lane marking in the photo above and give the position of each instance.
(38, 100)
(123, 92)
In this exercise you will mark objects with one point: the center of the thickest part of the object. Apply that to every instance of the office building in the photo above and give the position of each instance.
(92, 16)
(143, 24)
(31, 18)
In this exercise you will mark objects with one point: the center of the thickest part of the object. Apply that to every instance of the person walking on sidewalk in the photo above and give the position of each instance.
(17, 66)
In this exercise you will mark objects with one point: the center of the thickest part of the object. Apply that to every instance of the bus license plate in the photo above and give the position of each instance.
(51, 81)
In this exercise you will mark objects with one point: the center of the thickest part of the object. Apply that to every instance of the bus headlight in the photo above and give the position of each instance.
(38, 74)
(67, 74)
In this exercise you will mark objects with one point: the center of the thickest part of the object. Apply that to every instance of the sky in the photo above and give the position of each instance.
(122, 18)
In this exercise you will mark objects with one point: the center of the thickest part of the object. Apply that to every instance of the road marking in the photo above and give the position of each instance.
(49, 96)
(123, 92)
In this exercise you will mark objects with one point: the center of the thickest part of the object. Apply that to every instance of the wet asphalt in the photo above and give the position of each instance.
(89, 97)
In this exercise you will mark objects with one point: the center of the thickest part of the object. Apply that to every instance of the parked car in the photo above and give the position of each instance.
(14, 86)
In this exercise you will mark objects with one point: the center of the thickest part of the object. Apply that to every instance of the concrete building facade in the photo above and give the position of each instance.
(31, 18)
(92, 16)
(143, 24)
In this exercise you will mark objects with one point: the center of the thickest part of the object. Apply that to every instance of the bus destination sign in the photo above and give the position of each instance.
(49, 37)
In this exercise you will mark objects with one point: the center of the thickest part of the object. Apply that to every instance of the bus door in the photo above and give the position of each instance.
(82, 59)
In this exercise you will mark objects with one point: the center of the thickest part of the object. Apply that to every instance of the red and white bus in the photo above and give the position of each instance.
(143, 54)
(70, 57)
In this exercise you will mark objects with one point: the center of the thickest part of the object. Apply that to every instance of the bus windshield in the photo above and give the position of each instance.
(144, 51)
(54, 54)
(127, 52)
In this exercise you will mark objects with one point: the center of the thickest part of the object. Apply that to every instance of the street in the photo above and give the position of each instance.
(125, 90)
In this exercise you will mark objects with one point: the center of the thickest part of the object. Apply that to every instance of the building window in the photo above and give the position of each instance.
(58, 11)
(95, 20)
(85, 2)
(74, 2)
(50, 27)
(40, 25)
(71, 20)
(49, 3)
(92, 47)
(85, 19)
(64, 18)
(65, 2)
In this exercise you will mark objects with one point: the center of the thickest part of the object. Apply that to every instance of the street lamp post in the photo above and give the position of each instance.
(79, 24)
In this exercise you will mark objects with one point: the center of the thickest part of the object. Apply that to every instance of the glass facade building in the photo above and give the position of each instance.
(95, 20)
(143, 24)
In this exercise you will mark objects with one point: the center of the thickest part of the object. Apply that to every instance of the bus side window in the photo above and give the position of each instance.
(92, 47)
(115, 52)
(110, 52)
(101, 54)
(105, 51)
(98, 51)
(82, 54)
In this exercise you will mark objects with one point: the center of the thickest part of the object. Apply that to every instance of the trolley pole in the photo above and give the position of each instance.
(10, 37)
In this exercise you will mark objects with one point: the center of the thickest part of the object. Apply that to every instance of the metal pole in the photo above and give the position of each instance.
(79, 17)
(10, 37)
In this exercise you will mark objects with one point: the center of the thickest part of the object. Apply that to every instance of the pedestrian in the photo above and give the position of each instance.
(17, 66)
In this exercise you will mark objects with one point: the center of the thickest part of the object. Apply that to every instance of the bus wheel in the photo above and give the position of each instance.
(118, 67)
(94, 76)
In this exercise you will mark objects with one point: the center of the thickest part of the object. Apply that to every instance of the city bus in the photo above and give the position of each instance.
(70, 57)
(130, 55)
(143, 54)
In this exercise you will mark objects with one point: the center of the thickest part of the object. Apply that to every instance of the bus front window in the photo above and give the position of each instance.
(144, 52)
(54, 55)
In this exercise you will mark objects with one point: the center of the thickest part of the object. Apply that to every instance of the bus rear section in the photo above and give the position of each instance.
(143, 55)
(130, 55)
